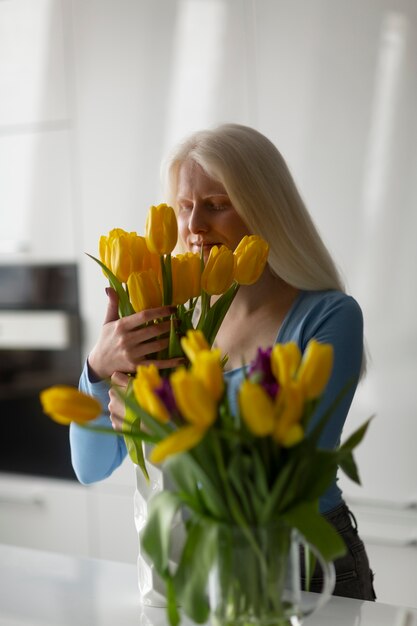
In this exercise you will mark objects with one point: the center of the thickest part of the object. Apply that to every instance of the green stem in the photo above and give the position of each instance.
(121, 433)
(205, 307)
(168, 273)
(237, 514)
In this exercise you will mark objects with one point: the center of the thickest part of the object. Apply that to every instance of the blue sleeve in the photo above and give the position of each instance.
(95, 456)
(340, 323)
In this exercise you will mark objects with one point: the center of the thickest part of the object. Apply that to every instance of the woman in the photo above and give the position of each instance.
(224, 184)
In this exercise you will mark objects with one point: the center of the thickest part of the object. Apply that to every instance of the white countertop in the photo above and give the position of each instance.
(44, 588)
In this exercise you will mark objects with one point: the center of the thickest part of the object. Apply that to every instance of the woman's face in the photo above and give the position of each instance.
(206, 216)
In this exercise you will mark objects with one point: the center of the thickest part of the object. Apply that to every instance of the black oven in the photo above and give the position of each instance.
(40, 345)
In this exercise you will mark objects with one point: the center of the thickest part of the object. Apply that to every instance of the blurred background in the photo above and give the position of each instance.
(92, 95)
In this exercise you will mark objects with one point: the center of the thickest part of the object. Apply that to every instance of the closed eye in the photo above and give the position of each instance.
(185, 207)
(218, 206)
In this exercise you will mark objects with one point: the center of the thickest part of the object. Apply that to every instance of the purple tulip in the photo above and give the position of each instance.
(260, 370)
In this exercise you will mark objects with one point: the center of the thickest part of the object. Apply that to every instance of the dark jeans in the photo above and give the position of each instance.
(354, 578)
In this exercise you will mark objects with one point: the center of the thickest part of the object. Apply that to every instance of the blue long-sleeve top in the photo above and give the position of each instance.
(327, 316)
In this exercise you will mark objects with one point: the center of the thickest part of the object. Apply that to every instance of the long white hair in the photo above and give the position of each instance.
(263, 192)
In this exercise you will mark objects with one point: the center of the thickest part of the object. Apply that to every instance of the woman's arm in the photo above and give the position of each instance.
(122, 345)
(95, 456)
(340, 323)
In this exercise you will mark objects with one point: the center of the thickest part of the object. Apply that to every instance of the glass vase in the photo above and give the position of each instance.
(256, 578)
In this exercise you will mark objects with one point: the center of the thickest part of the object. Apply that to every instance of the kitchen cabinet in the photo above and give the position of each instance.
(46, 514)
(65, 516)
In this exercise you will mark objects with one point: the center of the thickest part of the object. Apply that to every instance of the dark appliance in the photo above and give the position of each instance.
(40, 345)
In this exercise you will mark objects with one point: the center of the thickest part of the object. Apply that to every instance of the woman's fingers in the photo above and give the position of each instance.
(116, 404)
(166, 363)
(149, 315)
(120, 379)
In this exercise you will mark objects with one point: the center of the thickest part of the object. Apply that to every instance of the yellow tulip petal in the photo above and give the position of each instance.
(290, 403)
(144, 290)
(218, 272)
(161, 229)
(146, 381)
(196, 404)
(208, 368)
(316, 368)
(257, 408)
(193, 343)
(182, 440)
(285, 360)
(150, 374)
(150, 402)
(186, 273)
(65, 404)
(293, 436)
(251, 256)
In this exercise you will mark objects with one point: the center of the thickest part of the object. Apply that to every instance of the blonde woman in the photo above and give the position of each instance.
(225, 183)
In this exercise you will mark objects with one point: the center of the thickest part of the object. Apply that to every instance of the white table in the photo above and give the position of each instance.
(44, 588)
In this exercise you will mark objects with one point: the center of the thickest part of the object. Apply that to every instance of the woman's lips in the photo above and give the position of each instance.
(206, 247)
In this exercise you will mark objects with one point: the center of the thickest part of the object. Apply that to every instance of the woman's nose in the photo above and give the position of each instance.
(197, 222)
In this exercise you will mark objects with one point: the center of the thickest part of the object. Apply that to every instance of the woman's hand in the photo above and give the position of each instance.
(116, 406)
(124, 343)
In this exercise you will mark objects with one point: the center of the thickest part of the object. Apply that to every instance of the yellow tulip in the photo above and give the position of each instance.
(144, 290)
(150, 401)
(194, 401)
(186, 272)
(161, 229)
(149, 374)
(256, 408)
(289, 411)
(193, 343)
(128, 254)
(218, 273)
(293, 435)
(207, 367)
(315, 368)
(194, 263)
(251, 255)
(285, 360)
(181, 440)
(105, 245)
(148, 379)
(65, 404)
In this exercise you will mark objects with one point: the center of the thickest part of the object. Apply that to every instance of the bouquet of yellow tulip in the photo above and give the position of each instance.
(145, 275)
(260, 466)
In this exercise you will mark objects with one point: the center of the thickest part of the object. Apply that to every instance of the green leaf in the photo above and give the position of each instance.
(348, 465)
(356, 437)
(174, 349)
(315, 471)
(212, 320)
(156, 542)
(172, 609)
(309, 565)
(190, 580)
(260, 474)
(241, 486)
(125, 308)
(272, 504)
(316, 530)
(132, 424)
(189, 476)
(166, 271)
(155, 536)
